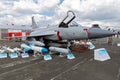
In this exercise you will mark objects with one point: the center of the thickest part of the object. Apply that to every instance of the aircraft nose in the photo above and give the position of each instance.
(99, 33)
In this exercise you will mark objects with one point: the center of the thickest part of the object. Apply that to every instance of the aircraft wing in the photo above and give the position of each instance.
(38, 34)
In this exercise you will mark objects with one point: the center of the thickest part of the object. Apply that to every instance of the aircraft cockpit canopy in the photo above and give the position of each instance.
(74, 24)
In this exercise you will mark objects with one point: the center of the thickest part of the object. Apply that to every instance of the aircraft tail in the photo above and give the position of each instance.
(34, 25)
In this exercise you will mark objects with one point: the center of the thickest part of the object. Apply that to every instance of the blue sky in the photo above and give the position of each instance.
(60, 2)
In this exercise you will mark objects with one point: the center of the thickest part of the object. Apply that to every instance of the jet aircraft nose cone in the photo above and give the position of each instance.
(99, 33)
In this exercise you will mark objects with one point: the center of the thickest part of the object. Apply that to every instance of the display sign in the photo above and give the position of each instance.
(101, 54)
(3, 55)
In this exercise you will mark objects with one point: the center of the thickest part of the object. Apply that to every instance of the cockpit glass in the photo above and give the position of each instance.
(74, 24)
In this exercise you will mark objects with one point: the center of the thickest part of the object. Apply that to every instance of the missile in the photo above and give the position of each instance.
(26, 47)
(39, 49)
(8, 49)
(1, 51)
(60, 50)
(34, 48)
(42, 50)
(17, 49)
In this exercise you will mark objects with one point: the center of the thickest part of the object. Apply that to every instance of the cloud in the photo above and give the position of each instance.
(30, 6)
(20, 12)
(104, 12)
(25, 6)
(47, 5)
(92, 10)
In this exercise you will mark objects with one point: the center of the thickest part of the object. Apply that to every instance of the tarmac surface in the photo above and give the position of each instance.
(83, 67)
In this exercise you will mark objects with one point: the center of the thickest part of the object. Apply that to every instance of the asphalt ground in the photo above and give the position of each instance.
(83, 67)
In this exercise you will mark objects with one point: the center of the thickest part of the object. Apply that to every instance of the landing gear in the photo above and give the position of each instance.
(35, 54)
(68, 45)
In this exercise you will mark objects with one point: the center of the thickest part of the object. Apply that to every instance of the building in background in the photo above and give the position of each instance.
(11, 34)
(3, 33)
(17, 34)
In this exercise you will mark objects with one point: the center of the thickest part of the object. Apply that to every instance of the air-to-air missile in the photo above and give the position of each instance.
(34, 48)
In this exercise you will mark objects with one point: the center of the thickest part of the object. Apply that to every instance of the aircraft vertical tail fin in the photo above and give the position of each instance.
(34, 25)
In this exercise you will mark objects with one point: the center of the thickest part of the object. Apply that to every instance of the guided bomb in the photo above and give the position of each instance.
(60, 50)
(65, 52)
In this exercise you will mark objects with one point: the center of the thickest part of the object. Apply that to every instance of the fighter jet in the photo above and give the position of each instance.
(67, 31)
